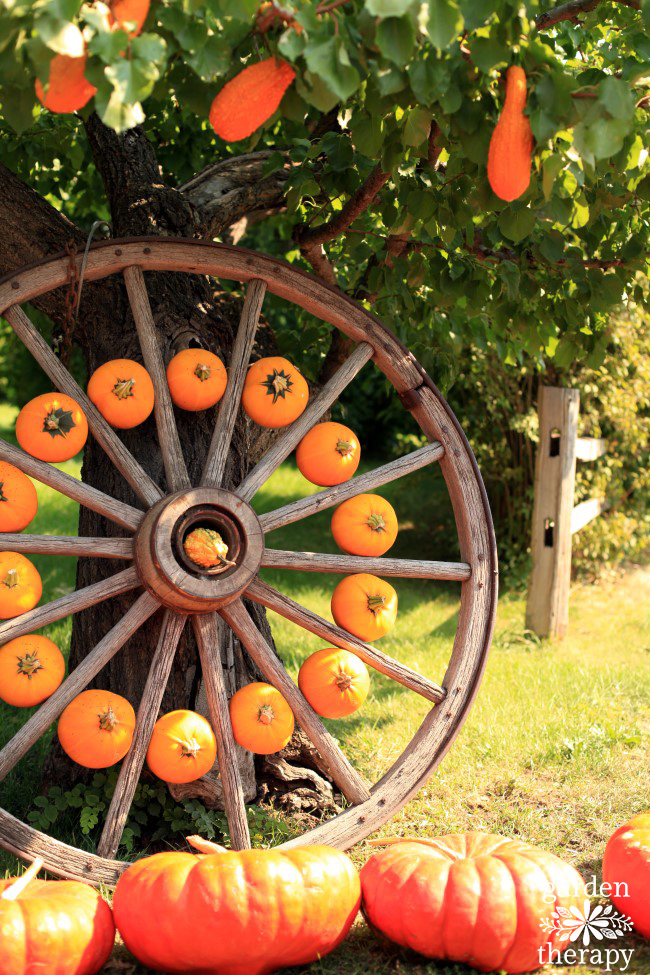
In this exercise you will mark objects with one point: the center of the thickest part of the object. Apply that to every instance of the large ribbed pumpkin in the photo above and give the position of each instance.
(228, 913)
(474, 898)
(627, 862)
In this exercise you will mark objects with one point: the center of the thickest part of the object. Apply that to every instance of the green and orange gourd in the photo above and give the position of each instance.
(511, 145)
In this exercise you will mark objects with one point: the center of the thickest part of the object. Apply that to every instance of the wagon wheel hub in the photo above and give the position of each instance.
(171, 575)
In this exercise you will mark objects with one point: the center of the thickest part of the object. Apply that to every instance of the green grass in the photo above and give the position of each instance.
(555, 750)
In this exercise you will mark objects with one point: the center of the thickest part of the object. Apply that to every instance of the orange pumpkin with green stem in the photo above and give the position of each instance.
(329, 454)
(182, 747)
(52, 427)
(53, 927)
(197, 379)
(275, 393)
(262, 721)
(365, 606)
(511, 145)
(122, 391)
(335, 682)
(68, 90)
(96, 729)
(20, 585)
(365, 525)
(18, 499)
(249, 99)
(31, 668)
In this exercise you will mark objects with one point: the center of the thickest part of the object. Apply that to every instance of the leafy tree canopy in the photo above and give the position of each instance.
(384, 139)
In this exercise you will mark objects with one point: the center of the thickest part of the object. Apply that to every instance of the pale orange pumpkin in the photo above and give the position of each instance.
(365, 525)
(31, 668)
(262, 721)
(122, 391)
(275, 393)
(365, 606)
(197, 379)
(18, 499)
(182, 747)
(52, 427)
(334, 681)
(20, 585)
(329, 454)
(96, 729)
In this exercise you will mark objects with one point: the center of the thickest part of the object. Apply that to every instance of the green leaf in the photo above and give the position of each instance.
(600, 139)
(18, 107)
(368, 135)
(388, 8)
(61, 37)
(330, 61)
(488, 52)
(617, 98)
(445, 22)
(416, 129)
(552, 167)
(429, 79)
(510, 275)
(242, 10)
(396, 39)
(515, 223)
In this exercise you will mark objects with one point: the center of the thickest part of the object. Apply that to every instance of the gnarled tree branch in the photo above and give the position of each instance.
(358, 202)
(572, 9)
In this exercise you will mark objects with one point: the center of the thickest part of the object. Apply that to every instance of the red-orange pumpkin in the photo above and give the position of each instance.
(243, 913)
(473, 898)
(627, 862)
(53, 927)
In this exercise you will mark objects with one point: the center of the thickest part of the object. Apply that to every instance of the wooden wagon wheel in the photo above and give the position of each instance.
(156, 566)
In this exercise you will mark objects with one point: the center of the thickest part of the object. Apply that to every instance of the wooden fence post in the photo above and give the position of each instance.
(547, 608)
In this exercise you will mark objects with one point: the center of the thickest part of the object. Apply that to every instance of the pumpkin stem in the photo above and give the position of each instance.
(11, 579)
(108, 719)
(376, 523)
(58, 422)
(265, 714)
(375, 603)
(278, 384)
(202, 371)
(13, 892)
(2, 497)
(205, 846)
(344, 448)
(343, 681)
(123, 388)
(29, 665)
(190, 748)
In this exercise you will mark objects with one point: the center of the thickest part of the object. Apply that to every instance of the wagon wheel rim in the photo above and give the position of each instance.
(477, 572)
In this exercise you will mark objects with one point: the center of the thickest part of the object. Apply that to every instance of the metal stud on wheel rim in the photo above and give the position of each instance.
(157, 565)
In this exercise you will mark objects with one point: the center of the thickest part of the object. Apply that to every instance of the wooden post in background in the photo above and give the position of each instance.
(547, 608)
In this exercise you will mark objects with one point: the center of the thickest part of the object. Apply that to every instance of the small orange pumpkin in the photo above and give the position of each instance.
(31, 668)
(52, 427)
(335, 682)
(275, 393)
(123, 393)
(197, 379)
(182, 747)
(262, 721)
(250, 98)
(365, 525)
(18, 499)
(329, 454)
(626, 867)
(365, 606)
(67, 87)
(20, 585)
(96, 729)
(511, 145)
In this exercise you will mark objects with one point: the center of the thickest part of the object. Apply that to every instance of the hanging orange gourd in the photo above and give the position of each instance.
(196, 378)
(334, 681)
(96, 729)
(511, 145)
(18, 500)
(275, 393)
(250, 99)
(365, 606)
(31, 668)
(67, 87)
(365, 525)
(20, 585)
(329, 454)
(123, 393)
(52, 427)
(262, 721)
(182, 747)
(125, 13)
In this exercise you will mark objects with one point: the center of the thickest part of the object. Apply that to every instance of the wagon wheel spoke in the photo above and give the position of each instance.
(264, 594)
(225, 423)
(344, 775)
(404, 568)
(104, 434)
(102, 548)
(292, 437)
(357, 485)
(207, 637)
(71, 603)
(144, 607)
(161, 664)
(122, 514)
(170, 444)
